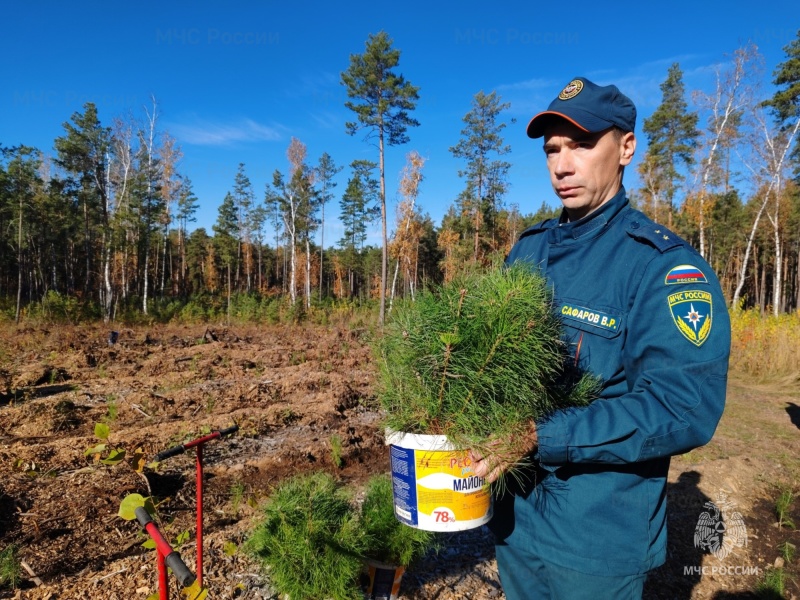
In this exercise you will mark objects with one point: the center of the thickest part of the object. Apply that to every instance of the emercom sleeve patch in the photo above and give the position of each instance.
(691, 313)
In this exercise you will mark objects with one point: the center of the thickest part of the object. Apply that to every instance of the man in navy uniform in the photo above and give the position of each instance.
(645, 313)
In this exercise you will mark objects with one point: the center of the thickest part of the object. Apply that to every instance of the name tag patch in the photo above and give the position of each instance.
(691, 313)
(589, 316)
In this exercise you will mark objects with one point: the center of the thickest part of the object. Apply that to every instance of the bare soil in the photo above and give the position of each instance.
(294, 391)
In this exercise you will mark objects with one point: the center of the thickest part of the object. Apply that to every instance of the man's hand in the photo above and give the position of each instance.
(500, 456)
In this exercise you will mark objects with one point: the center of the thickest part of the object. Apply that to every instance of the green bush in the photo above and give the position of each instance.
(193, 312)
(310, 541)
(57, 308)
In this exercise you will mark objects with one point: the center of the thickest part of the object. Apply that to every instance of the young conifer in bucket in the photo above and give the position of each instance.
(477, 360)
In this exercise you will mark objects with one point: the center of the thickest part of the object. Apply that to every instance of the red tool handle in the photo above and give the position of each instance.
(171, 558)
(175, 450)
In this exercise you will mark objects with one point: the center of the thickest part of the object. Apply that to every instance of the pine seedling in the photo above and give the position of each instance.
(476, 360)
(782, 507)
(309, 540)
(390, 541)
(10, 569)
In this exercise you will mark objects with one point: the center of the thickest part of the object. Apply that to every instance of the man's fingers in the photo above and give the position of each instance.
(495, 474)
(479, 466)
(491, 470)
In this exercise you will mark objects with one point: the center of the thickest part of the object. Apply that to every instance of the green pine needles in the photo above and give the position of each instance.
(309, 540)
(477, 359)
(314, 541)
(390, 541)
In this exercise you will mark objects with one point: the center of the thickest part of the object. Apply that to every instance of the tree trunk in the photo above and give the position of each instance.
(321, 245)
(19, 260)
(394, 283)
(229, 293)
(308, 273)
(384, 248)
(748, 249)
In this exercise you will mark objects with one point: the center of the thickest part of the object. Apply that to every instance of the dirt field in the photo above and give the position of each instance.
(294, 392)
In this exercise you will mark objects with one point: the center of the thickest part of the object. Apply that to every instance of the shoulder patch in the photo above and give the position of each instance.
(685, 274)
(691, 313)
(656, 235)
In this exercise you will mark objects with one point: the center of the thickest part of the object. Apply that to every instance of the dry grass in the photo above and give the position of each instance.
(765, 346)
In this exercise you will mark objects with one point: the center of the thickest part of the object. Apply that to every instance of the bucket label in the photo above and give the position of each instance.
(438, 490)
(404, 485)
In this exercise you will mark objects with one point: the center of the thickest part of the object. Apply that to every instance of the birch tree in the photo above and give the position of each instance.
(731, 97)
(150, 203)
(170, 184)
(124, 227)
(409, 228)
(288, 197)
(771, 149)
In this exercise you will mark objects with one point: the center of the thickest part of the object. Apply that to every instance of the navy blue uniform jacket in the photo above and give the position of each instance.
(644, 312)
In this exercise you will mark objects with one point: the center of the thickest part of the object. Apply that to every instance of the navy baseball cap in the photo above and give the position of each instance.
(589, 106)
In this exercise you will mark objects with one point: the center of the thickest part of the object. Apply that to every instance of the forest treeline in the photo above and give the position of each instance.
(104, 221)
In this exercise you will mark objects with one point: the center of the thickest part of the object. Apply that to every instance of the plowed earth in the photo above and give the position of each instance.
(294, 391)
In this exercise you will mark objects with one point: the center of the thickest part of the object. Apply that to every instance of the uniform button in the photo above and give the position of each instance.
(635, 225)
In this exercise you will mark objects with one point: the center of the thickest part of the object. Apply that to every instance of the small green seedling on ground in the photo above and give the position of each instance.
(782, 507)
(336, 450)
(10, 570)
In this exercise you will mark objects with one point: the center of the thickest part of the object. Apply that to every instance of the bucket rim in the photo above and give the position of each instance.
(418, 441)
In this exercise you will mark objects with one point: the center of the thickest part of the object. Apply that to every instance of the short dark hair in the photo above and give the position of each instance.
(618, 132)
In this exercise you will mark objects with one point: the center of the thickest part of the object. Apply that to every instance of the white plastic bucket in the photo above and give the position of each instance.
(434, 485)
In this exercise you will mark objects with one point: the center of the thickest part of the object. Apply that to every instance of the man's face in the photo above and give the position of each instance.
(585, 168)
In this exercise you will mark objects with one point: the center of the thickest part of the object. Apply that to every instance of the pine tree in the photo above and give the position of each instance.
(480, 146)
(21, 183)
(358, 207)
(186, 210)
(82, 152)
(226, 239)
(243, 197)
(382, 100)
(786, 101)
(672, 138)
(324, 173)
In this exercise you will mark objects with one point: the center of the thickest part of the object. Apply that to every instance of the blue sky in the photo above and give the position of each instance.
(235, 81)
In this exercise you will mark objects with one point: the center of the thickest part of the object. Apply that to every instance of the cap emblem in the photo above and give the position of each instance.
(573, 88)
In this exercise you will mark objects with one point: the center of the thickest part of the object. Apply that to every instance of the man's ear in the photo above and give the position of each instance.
(627, 147)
